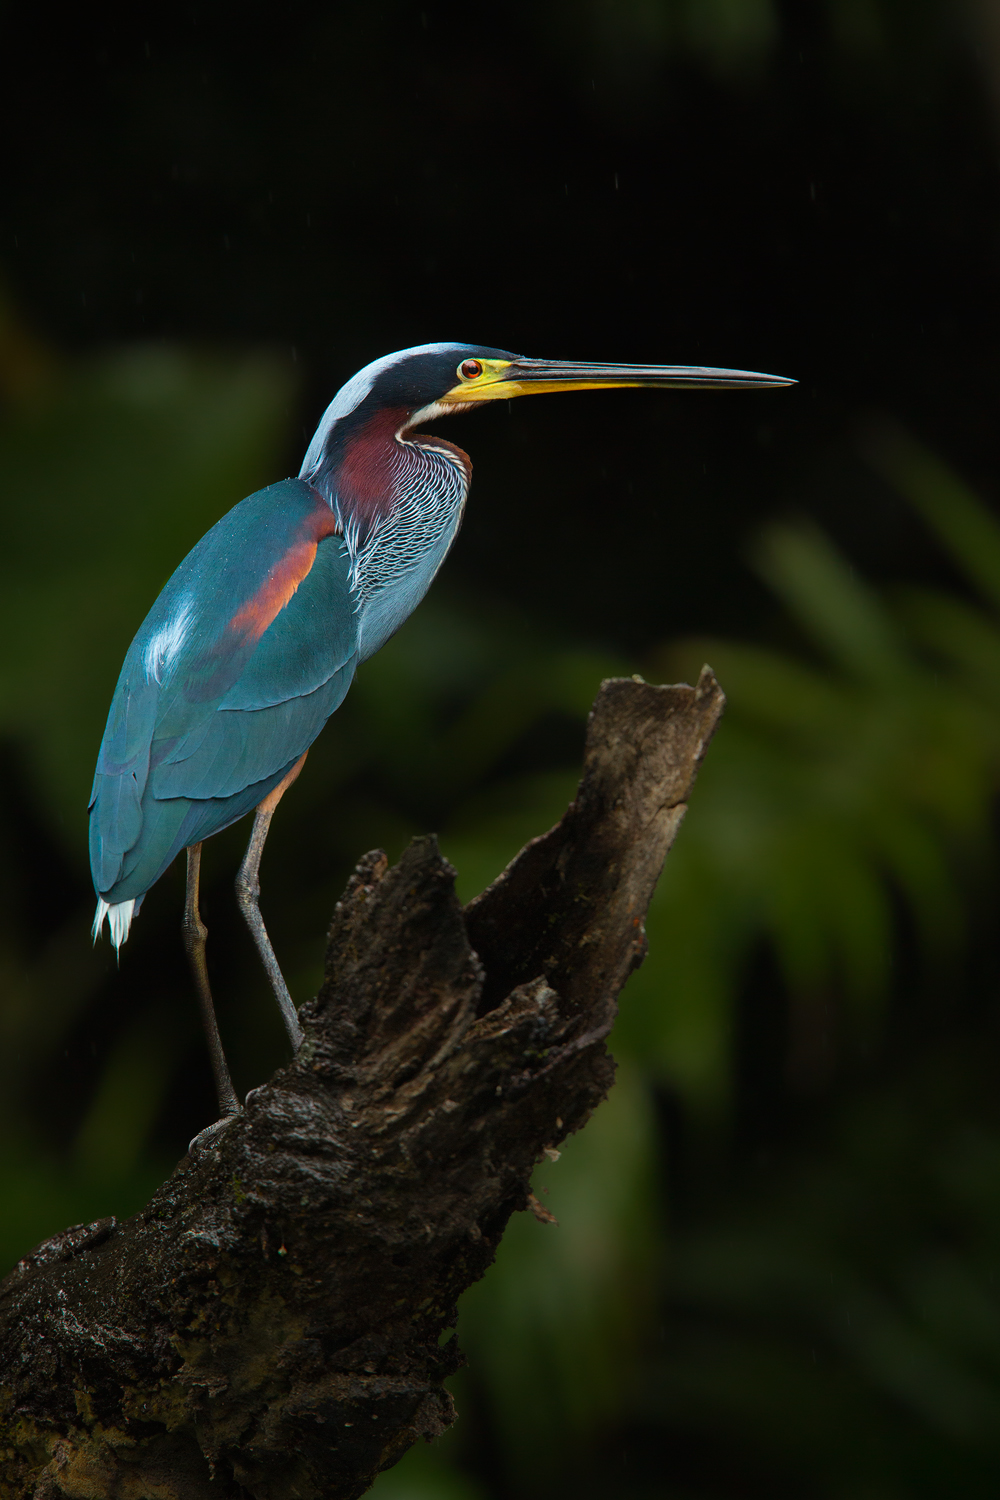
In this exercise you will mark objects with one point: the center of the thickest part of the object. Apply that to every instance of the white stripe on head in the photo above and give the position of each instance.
(350, 397)
(119, 915)
(164, 645)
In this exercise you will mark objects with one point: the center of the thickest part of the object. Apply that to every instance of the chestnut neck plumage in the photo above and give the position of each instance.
(400, 497)
(369, 466)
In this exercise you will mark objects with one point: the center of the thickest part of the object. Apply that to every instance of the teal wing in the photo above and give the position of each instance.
(249, 649)
(291, 684)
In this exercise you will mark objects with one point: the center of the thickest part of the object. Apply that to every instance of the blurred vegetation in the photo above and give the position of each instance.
(834, 1323)
(837, 1333)
(739, 40)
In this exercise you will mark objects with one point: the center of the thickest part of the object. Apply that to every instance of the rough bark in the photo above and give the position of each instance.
(270, 1324)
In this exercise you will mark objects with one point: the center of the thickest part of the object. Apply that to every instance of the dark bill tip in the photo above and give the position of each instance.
(690, 377)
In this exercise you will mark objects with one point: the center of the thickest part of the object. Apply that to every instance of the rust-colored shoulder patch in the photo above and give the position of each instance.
(285, 575)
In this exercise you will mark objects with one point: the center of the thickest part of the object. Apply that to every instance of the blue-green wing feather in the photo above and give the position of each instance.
(299, 673)
(206, 721)
(121, 774)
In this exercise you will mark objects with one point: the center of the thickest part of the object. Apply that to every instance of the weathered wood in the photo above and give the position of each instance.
(269, 1324)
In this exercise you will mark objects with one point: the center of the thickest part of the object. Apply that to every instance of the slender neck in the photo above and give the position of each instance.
(368, 468)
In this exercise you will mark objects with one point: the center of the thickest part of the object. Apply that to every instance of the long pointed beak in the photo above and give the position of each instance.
(501, 379)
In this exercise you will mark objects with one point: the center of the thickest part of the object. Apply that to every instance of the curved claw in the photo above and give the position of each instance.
(207, 1137)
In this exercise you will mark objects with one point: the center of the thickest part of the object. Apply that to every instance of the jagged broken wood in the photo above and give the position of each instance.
(268, 1326)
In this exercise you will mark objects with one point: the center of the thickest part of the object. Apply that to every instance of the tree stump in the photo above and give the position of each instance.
(269, 1324)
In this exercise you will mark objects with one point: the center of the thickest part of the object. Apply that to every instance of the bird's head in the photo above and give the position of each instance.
(435, 380)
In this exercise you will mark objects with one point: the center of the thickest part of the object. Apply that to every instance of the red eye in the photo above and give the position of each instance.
(469, 369)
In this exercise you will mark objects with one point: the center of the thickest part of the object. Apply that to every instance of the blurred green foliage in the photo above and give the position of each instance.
(738, 39)
(838, 1331)
(839, 786)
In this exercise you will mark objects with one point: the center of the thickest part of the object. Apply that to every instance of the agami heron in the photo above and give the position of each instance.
(255, 639)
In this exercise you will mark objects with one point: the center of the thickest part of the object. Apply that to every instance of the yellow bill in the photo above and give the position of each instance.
(501, 379)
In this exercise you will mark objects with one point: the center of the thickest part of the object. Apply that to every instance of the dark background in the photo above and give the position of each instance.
(338, 181)
(230, 209)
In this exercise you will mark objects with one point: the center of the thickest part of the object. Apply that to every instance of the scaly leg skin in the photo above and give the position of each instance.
(195, 934)
(248, 896)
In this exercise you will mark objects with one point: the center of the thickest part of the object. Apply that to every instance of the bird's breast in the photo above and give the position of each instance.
(400, 538)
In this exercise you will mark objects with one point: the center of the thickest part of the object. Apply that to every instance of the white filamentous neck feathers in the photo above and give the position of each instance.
(429, 491)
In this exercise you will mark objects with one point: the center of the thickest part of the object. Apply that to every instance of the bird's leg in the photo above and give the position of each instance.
(248, 896)
(195, 934)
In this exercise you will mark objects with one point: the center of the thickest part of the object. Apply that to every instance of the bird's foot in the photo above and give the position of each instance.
(210, 1135)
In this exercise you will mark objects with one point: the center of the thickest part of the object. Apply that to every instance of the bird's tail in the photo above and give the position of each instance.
(119, 915)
